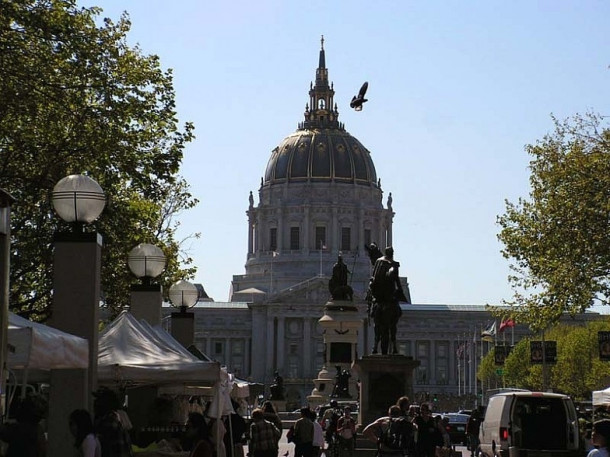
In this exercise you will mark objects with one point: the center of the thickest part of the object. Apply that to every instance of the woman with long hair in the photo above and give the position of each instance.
(198, 433)
(81, 427)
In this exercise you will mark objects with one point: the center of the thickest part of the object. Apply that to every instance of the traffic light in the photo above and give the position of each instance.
(435, 398)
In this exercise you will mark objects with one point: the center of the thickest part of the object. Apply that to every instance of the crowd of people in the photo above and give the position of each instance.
(406, 430)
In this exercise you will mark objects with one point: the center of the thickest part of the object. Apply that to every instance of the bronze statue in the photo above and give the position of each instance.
(338, 283)
(277, 388)
(341, 389)
(385, 293)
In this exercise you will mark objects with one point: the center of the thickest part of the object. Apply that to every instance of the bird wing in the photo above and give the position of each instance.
(363, 89)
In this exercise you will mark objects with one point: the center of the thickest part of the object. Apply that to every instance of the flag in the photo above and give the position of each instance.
(460, 351)
(506, 323)
(489, 333)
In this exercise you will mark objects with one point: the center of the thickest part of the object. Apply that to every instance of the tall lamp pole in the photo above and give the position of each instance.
(5, 242)
(146, 262)
(78, 200)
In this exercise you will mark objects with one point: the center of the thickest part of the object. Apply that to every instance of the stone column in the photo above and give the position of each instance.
(307, 346)
(76, 301)
(334, 227)
(432, 359)
(146, 302)
(281, 327)
(183, 327)
(306, 238)
(270, 345)
(280, 230)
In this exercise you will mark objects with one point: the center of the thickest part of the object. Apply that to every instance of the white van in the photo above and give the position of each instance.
(529, 424)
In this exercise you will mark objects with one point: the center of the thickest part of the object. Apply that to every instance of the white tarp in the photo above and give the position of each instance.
(601, 397)
(40, 347)
(134, 352)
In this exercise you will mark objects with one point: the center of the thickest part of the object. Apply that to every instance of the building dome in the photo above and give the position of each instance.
(320, 155)
(321, 150)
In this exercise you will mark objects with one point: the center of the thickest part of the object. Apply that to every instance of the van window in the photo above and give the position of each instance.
(539, 423)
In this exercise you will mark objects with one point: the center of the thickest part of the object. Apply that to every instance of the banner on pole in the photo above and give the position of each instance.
(550, 352)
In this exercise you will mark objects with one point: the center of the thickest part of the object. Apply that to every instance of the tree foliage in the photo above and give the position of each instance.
(77, 99)
(578, 370)
(558, 239)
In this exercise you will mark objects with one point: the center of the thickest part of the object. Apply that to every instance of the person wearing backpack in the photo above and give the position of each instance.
(393, 433)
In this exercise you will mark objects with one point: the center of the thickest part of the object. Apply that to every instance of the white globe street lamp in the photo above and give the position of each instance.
(183, 294)
(146, 261)
(78, 199)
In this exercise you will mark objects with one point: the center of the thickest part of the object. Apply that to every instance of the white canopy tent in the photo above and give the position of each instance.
(34, 346)
(601, 397)
(133, 352)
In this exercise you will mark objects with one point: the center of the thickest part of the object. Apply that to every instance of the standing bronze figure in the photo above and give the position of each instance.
(384, 296)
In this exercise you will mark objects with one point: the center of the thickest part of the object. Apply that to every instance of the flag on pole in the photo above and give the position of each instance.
(506, 323)
(460, 351)
(489, 333)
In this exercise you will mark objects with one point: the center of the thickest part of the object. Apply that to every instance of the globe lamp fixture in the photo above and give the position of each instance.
(146, 261)
(183, 294)
(78, 199)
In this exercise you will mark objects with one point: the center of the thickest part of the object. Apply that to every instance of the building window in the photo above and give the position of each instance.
(295, 234)
(293, 366)
(367, 236)
(442, 348)
(422, 349)
(273, 239)
(320, 238)
(217, 348)
(441, 374)
(421, 375)
(237, 348)
(404, 348)
(346, 239)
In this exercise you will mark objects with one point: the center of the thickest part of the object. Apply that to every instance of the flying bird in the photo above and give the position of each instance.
(358, 100)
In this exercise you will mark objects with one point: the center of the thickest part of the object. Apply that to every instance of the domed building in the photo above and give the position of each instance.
(320, 198)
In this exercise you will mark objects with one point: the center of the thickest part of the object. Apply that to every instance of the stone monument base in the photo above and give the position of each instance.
(383, 380)
(279, 405)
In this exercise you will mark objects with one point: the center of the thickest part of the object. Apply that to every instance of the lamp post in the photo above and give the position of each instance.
(146, 262)
(183, 295)
(5, 241)
(78, 200)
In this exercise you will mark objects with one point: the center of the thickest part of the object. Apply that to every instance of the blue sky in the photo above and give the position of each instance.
(456, 90)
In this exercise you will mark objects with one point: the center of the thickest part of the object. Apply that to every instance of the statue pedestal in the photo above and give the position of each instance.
(279, 405)
(383, 380)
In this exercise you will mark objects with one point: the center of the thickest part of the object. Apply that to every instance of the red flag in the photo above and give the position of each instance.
(507, 323)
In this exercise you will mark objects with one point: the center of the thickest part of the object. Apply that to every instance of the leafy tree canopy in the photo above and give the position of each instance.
(77, 99)
(558, 239)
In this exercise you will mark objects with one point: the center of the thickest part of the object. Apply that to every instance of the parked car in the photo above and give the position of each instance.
(457, 427)
(529, 423)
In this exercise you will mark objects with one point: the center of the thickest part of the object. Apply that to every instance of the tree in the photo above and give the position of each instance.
(77, 99)
(558, 239)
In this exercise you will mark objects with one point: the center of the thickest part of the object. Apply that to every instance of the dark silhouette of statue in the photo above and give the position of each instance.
(338, 286)
(277, 388)
(341, 389)
(385, 293)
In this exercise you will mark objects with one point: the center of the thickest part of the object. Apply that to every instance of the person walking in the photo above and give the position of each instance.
(473, 425)
(391, 433)
(600, 438)
(318, 436)
(198, 434)
(346, 433)
(427, 432)
(303, 434)
(264, 436)
(81, 427)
